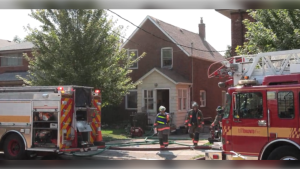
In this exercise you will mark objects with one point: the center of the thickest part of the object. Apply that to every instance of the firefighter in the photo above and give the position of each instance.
(194, 120)
(218, 117)
(162, 123)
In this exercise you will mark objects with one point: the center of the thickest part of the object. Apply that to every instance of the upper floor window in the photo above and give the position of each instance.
(134, 55)
(12, 59)
(166, 57)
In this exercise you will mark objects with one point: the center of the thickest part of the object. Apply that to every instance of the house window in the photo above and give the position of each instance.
(202, 98)
(131, 100)
(223, 98)
(15, 59)
(134, 55)
(166, 57)
(148, 100)
(182, 99)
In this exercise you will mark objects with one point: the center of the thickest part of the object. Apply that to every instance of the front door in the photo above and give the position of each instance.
(163, 99)
(249, 124)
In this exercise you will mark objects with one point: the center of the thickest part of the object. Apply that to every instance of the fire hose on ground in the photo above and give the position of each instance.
(125, 146)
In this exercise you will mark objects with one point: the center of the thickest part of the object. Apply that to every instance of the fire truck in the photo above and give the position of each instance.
(49, 119)
(261, 115)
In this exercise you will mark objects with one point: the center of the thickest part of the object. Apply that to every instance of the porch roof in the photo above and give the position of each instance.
(168, 74)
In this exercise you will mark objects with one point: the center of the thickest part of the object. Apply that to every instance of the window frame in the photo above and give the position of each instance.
(161, 57)
(8, 55)
(180, 108)
(137, 54)
(144, 104)
(278, 112)
(126, 99)
(237, 107)
(200, 98)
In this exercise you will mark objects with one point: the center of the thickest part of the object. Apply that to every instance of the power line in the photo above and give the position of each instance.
(160, 37)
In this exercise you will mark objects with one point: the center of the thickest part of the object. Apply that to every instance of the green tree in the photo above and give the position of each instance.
(79, 47)
(228, 52)
(17, 39)
(273, 29)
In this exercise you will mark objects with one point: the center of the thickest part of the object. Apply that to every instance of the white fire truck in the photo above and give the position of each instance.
(53, 119)
(261, 116)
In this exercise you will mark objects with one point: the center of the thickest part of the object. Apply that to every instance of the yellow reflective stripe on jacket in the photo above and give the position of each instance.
(163, 117)
(160, 122)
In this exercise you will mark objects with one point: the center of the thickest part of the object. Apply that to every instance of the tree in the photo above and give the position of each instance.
(273, 29)
(17, 39)
(79, 47)
(228, 52)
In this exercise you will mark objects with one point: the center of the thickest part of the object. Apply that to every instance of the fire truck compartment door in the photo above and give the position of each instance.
(83, 126)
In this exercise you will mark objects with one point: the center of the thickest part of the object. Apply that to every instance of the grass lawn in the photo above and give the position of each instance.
(113, 134)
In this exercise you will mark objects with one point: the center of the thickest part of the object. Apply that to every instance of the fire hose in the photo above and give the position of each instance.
(124, 146)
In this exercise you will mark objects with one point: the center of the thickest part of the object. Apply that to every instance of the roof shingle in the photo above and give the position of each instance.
(185, 37)
(6, 43)
(17, 46)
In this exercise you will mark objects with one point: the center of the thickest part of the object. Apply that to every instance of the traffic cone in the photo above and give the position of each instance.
(99, 140)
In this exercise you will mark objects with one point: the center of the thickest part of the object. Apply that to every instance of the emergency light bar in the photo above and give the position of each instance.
(60, 88)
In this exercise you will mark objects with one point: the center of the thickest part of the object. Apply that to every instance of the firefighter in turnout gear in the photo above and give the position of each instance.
(194, 120)
(218, 117)
(162, 123)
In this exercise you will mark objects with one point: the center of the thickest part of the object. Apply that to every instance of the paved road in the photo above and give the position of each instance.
(131, 155)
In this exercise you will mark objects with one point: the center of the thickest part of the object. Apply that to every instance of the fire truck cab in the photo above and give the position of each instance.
(261, 116)
(49, 119)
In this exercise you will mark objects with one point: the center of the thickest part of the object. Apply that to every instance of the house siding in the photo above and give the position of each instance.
(163, 83)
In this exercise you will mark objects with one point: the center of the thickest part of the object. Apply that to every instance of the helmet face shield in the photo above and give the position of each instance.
(219, 108)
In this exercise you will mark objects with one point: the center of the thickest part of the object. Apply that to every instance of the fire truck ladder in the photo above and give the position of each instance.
(254, 68)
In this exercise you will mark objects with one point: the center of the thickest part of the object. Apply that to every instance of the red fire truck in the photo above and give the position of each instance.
(261, 116)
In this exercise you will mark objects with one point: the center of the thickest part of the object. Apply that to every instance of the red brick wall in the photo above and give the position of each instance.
(17, 68)
(152, 46)
(238, 29)
(210, 85)
(182, 64)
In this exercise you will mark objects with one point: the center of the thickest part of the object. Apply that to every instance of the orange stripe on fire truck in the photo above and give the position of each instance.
(66, 120)
(262, 131)
(15, 119)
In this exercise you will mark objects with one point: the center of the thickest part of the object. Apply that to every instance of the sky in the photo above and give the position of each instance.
(218, 27)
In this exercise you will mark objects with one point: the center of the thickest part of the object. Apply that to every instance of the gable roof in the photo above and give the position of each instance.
(168, 74)
(17, 46)
(6, 43)
(185, 38)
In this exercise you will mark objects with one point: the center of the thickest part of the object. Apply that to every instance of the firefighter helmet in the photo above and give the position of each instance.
(194, 105)
(219, 108)
(162, 108)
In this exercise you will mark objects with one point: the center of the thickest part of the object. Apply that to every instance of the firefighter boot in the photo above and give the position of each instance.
(161, 143)
(192, 137)
(196, 139)
(165, 140)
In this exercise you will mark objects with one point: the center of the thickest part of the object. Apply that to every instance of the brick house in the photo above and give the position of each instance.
(238, 29)
(170, 74)
(12, 63)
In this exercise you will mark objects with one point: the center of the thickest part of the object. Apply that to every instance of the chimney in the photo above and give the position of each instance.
(202, 29)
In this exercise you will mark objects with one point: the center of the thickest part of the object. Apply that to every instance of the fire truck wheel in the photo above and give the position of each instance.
(285, 153)
(14, 148)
